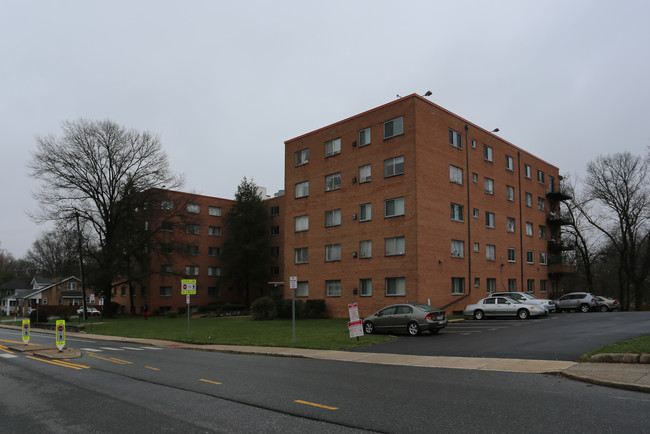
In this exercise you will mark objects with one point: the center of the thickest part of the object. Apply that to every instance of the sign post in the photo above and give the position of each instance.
(188, 287)
(293, 284)
(60, 334)
(26, 331)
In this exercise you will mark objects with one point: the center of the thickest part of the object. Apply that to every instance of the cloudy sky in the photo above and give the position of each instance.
(224, 84)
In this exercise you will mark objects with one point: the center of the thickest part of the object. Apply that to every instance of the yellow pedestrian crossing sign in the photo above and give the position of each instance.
(188, 286)
(60, 334)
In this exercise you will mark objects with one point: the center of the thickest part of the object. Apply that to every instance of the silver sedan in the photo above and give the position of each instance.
(503, 306)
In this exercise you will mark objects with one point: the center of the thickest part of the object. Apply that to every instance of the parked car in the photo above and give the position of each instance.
(605, 304)
(409, 317)
(524, 297)
(579, 301)
(503, 306)
(91, 311)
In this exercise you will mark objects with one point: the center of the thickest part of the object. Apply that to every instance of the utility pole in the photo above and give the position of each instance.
(81, 267)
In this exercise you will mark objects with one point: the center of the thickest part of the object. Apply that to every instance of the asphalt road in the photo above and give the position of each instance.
(561, 336)
(117, 387)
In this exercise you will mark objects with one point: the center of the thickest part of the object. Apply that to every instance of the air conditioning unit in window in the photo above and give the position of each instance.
(354, 254)
(354, 216)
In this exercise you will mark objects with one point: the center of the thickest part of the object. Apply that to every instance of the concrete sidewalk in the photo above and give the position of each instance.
(620, 375)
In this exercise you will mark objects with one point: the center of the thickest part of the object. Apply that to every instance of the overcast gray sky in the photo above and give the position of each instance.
(225, 83)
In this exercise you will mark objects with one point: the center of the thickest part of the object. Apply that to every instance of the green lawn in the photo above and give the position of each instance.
(640, 345)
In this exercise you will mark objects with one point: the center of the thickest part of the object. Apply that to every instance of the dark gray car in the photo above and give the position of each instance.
(406, 317)
(578, 301)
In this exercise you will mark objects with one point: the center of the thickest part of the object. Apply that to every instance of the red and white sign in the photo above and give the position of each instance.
(354, 326)
(293, 282)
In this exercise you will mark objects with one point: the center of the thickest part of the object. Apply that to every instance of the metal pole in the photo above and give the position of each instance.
(188, 316)
(293, 313)
(81, 266)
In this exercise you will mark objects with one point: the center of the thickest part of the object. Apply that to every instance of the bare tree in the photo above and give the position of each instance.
(618, 187)
(55, 253)
(103, 173)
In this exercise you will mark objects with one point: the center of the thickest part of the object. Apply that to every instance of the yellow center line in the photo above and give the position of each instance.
(152, 368)
(5, 350)
(313, 404)
(60, 363)
(209, 381)
(112, 359)
(15, 342)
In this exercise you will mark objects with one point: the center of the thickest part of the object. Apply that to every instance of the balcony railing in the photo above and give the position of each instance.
(561, 269)
(560, 245)
(557, 195)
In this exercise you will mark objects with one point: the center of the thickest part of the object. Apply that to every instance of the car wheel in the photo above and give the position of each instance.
(369, 328)
(584, 308)
(604, 308)
(523, 314)
(413, 329)
(478, 314)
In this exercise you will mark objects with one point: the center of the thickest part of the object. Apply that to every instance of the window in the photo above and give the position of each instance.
(395, 246)
(487, 153)
(510, 163)
(332, 252)
(275, 230)
(301, 223)
(332, 218)
(215, 231)
(540, 177)
(333, 182)
(489, 219)
(303, 289)
(364, 173)
(364, 137)
(395, 286)
(365, 249)
(473, 144)
(165, 291)
(193, 250)
(194, 208)
(512, 285)
(213, 291)
(166, 269)
(457, 249)
(475, 213)
(477, 247)
(166, 248)
(529, 200)
(214, 251)
(530, 257)
(393, 128)
(455, 139)
(191, 270)
(366, 287)
(214, 211)
(541, 204)
(301, 255)
(72, 286)
(275, 210)
(512, 254)
(491, 285)
(457, 212)
(333, 288)
(393, 166)
(542, 285)
(477, 282)
(474, 177)
(394, 207)
(489, 186)
(167, 204)
(456, 175)
(542, 258)
(490, 252)
(167, 226)
(542, 232)
(457, 285)
(275, 251)
(529, 229)
(333, 147)
(302, 189)
(275, 271)
(365, 212)
(214, 271)
(192, 229)
(510, 193)
(510, 222)
(302, 157)
(527, 171)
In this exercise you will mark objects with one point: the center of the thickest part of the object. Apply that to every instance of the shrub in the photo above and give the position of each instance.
(42, 316)
(264, 308)
(315, 308)
(285, 309)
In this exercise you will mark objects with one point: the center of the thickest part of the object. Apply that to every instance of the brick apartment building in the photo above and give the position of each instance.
(410, 202)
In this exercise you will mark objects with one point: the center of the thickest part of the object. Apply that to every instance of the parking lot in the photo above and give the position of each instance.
(559, 336)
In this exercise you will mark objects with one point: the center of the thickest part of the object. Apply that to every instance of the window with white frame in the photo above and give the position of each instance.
(214, 251)
(527, 171)
(542, 258)
(530, 257)
(489, 219)
(191, 270)
(393, 128)
(512, 285)
(542, 285)
(473, 143)
(215, 231)
(303, 289)
(457, 212)
(489, 186)
(214, 271)
(275, 210)
(456, 175)
(475, 213)
(214, 211)
(301, 223)
(365, 212)
(393, 166)
(457, 285)
(301, 255)
(332, 218)
(275, 230)
(395, 246)
(477, 282)
(167, 226)
(333, 147)
(365, 173)
(192, 250)
(165, 291)
(364, 137)
(455, 139)
(490, 252)
(194, 208)
(529, 229)
(166, 269)
(395, 286)
(512, 254)
(487, 153)
(302, 157)
(302, 189)
(510, 224)
(491, 285)
(540, 177)
(541, 204)
(333, 288)
(542, 232)
(510, 163)
(333, 182)
(192, 229)
(394, 207)
(529, 200)
(474, 177)
(366, 287)
(477, 247)
(457, 248)
(510, 193)
(332, 252)
(365, 249)
(72, 286)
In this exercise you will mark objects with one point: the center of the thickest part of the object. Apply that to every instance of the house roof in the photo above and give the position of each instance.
(15, 284)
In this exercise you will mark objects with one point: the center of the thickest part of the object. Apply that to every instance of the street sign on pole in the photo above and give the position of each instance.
(188, 286)
(293, 284)
(26, 331)
(60, 334)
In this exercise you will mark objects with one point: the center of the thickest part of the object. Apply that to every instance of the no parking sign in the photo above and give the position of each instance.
(60, 334)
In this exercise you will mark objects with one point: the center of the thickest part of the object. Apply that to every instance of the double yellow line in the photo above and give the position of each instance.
(63, 363)
(112, 359)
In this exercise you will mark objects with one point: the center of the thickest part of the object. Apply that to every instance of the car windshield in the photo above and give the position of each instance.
(425, 307)
(531, 296)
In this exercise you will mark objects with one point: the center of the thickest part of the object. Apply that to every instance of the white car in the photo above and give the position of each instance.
(503, 306)
(524, 297)
(91, 311)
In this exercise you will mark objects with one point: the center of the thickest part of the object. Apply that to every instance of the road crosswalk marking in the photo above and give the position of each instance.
(8, 356)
